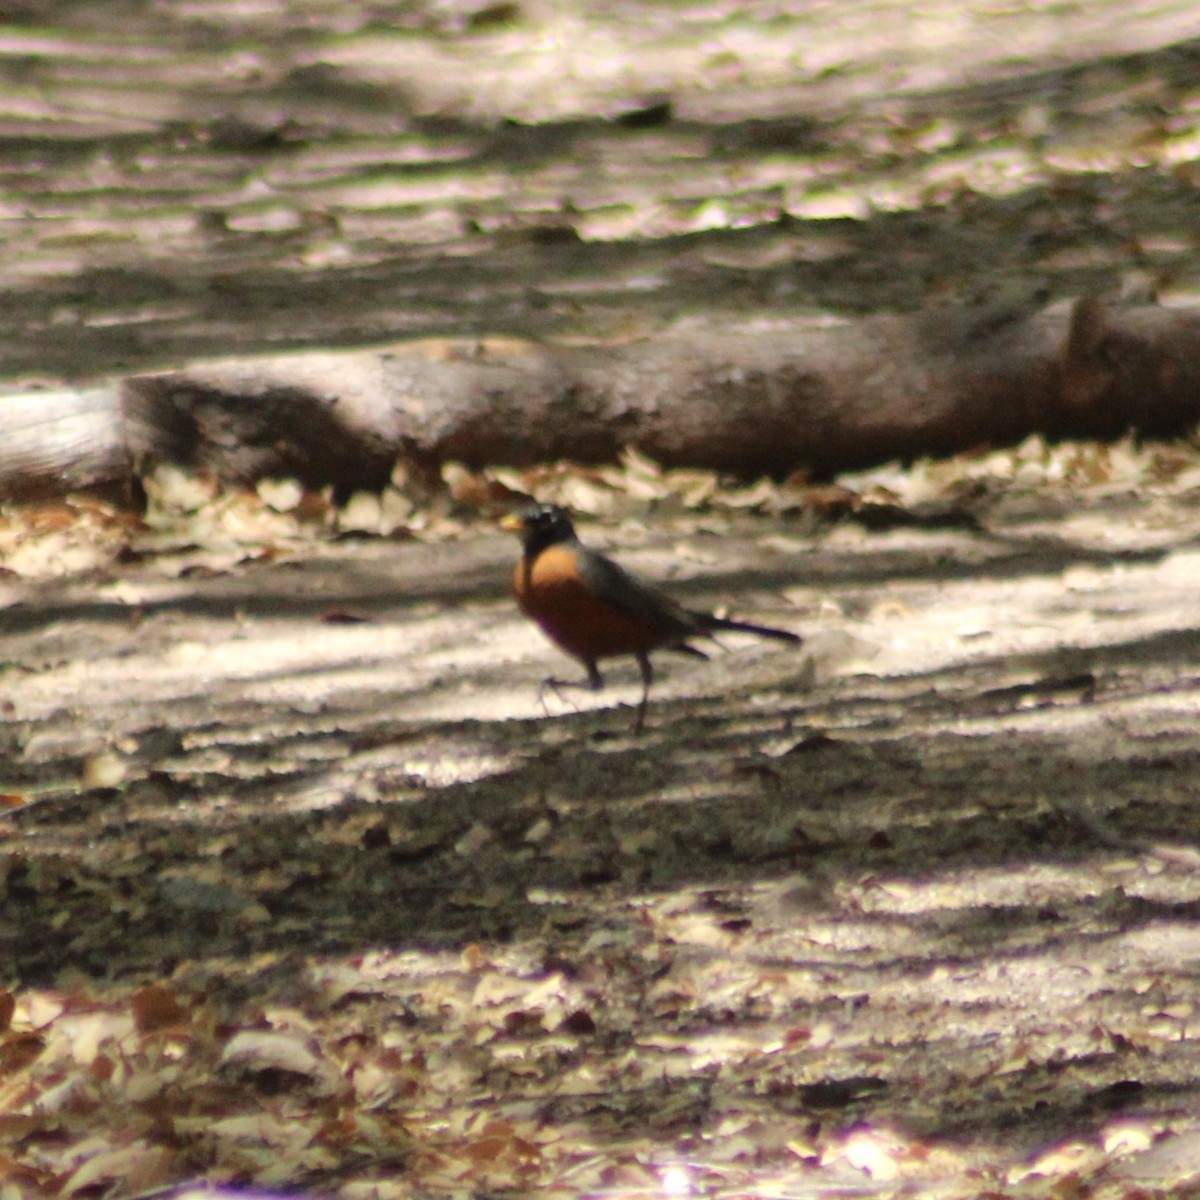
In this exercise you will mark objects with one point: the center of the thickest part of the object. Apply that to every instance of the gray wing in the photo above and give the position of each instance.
(637, 596)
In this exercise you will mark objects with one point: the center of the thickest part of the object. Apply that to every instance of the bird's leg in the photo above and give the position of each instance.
(647, 671)
(594, 682)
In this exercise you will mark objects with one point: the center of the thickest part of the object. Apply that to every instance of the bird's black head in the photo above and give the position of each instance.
(540, 525)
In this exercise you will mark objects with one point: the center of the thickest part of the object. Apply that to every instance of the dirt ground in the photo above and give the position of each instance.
(304, 889)
(910, 907)
(187, 180)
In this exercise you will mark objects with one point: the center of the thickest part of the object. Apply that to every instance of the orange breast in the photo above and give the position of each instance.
(551, 593)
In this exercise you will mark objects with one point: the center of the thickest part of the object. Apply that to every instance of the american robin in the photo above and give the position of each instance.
(593, 608)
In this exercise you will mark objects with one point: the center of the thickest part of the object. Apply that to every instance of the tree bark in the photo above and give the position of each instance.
(798, 395)
(62, 441)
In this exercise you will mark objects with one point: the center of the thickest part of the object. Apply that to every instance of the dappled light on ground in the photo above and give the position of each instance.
(304, 888)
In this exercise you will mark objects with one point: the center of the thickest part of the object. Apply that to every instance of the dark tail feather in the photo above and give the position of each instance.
(712, 623)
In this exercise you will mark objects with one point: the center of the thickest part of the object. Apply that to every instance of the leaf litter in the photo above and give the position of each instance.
(590, 1019)
(193, 523)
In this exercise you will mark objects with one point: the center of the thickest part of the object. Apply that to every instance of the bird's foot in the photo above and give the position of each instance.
(559, 687)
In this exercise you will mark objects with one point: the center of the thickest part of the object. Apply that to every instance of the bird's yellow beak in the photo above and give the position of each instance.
(512, 523)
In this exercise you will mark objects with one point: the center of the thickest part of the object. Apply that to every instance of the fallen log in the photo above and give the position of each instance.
(815, 395)
(62, 441)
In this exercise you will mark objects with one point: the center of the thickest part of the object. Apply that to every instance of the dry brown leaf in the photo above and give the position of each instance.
(486, 1149)
(14, 1171)
(155, 1008)
(104, 770)
(262, 1050)
(19, 1050)
(136, 1167)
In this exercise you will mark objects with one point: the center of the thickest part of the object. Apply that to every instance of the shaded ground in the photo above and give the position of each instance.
(912, 908)
(914, 904)
(187, 180)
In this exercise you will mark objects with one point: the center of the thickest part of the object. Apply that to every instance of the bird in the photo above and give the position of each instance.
(593, 608)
